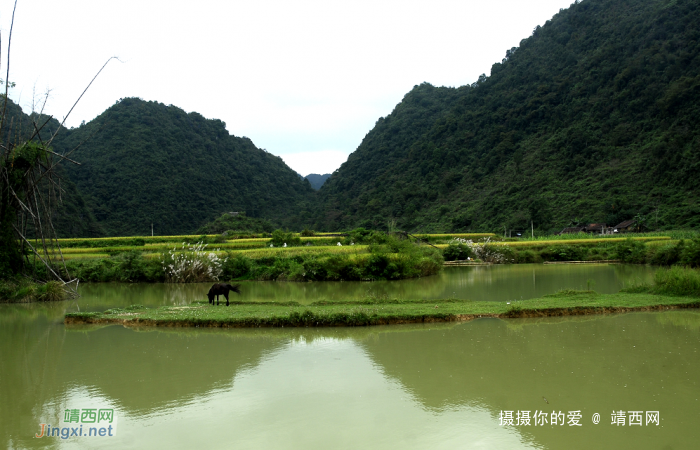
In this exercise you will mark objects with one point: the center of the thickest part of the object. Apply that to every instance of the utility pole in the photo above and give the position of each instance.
(151, 229)
(532, 226)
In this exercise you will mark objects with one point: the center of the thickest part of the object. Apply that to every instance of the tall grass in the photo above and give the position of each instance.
(677, 281)
(22, 290)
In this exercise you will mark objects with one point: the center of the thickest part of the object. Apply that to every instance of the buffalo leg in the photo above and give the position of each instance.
(226, 295)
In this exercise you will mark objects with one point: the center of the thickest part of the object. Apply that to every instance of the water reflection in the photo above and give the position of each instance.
(497, 283)
(381, 387)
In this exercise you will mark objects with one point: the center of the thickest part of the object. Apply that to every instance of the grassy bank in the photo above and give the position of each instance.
(380, 312)
(672, 288)
(22, 290)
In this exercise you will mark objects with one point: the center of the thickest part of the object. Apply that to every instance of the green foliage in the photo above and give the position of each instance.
(236, 224)
(690, 256)
(21, 290)
(566, 253)
(631, 251)
(126, 267)
(281, 237)
(594, 116)
(51, 291)
(457, 252)
(183, 171)
(677, 281)
(307, 233)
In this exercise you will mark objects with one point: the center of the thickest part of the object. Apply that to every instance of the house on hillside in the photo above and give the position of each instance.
(626, 226)
(597, 228)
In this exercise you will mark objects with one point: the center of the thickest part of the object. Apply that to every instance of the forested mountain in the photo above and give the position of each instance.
(145, 162)
(595, 117)
(317, 180)
(71, 216)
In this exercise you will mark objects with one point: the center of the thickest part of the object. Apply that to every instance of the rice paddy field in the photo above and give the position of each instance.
(261, 247)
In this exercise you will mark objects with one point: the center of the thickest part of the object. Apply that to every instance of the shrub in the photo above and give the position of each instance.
(564, 253)
(130, 266)
(191, 265)
(677, 281)
(667, 255)
(690, 256)
(51, 291)
(238, 266)
(527, 256)
(457, 252)
(631, 251)
(280, 237)
(306, 232)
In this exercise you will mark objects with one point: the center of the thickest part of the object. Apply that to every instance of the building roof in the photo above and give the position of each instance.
(626, 224)
(594, 226)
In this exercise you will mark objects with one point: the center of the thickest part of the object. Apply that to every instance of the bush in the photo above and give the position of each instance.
(666, 255)
(22, 290)
(527, 256)
(677, 281)
(280, 238)
(631, 251)
(238, 266)
(690, 256)
(51, 291)
(564, 253)
(457, 252)
(191, 266)
(130, 266)
(306, 232)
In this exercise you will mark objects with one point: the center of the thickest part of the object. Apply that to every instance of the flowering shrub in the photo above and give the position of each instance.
(192, 264)
(496, 254)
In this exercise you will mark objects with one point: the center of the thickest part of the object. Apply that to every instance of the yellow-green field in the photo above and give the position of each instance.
(156, 246)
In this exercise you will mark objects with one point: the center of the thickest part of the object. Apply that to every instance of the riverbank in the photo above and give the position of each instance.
(380, 312)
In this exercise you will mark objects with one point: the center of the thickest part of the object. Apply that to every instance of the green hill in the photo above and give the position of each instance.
(145, 162)
(594, 118)
(71, 216)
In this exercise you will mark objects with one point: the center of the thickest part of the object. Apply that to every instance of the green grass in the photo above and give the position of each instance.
(672, 281)
(250, 314)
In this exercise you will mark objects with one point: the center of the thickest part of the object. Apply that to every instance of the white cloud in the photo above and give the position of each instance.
(292, 75)
(320, 162)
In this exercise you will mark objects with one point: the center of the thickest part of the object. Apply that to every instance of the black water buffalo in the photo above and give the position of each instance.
(222, 289)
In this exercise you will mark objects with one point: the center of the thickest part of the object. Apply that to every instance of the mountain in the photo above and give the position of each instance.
(594, 117)
(317, 180)
(146, 163)
(71, 217)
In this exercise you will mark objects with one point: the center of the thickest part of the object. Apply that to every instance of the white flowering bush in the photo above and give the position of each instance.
(192, 264)
(486, 252)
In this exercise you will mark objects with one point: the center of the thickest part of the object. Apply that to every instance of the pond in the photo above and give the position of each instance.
(392, 387)
(402, 386)
(497, 283)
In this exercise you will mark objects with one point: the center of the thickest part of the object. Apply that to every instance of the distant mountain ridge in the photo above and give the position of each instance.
(317, 180)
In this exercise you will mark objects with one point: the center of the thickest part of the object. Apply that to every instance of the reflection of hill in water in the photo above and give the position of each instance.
(145, 371)
(618, 362)
(42, 364)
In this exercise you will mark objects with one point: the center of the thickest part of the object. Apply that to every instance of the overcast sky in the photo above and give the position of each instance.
(305, 80)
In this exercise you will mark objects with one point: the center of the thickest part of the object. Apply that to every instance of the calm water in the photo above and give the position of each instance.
(375, 387)
(498, 283)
